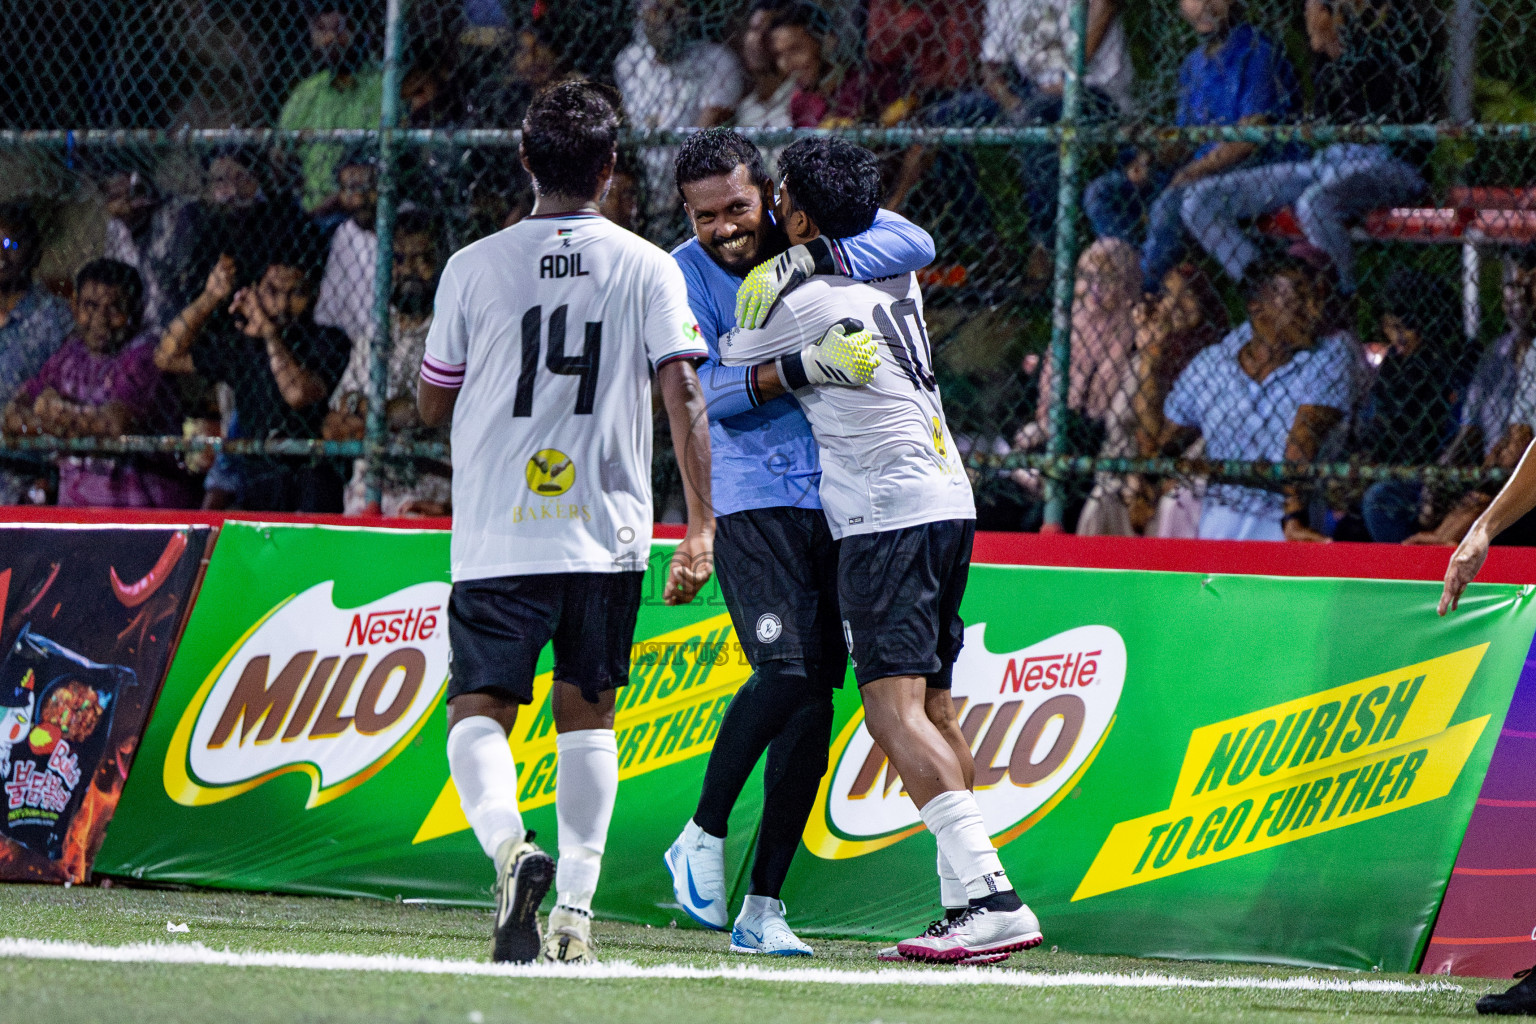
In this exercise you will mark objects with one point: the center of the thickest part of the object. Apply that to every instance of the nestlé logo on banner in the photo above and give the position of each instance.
(331, 692)
(1034, 718)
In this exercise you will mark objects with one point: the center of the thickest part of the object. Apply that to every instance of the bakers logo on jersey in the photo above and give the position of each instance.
(1035, 719)
(332, 693)
(550, 473)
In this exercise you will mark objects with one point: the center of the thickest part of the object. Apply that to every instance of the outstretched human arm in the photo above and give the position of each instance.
(1514, 500)
(694, 560)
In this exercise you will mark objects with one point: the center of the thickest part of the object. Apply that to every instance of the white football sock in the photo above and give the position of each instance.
(951, 891)
(957, 826)
(586, 784)
(485, 775)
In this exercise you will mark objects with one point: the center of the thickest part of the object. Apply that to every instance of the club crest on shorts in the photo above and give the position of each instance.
(769, 628)
(550, 473)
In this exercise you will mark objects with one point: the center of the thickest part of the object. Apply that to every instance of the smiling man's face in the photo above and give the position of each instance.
(729, 218)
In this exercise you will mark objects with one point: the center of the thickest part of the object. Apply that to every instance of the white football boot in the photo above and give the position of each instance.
(977, 934)
(568, 937)
(761, 928)
(697, 863)
(892, 954)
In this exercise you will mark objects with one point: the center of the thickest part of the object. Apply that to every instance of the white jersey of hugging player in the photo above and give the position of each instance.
(550, 329)
(887, 457)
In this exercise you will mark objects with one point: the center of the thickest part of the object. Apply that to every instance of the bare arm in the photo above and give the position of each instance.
(1222, 157)
(693, 562)
(1313, 423)
(435, 403)
(1101, 15)
(63, 418)
(299, 386)
(1514, 500)
(174, 353)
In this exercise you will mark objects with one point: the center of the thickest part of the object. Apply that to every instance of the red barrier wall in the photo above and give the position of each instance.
(1356, 561)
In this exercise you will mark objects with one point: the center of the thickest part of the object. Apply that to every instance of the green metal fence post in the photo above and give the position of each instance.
(1066, 257)
(378, 371)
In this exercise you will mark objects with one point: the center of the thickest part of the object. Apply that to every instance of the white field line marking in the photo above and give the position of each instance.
(198, 954)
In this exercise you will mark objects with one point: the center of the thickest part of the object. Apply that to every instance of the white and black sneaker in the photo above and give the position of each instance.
(526, 873)
(986, 933)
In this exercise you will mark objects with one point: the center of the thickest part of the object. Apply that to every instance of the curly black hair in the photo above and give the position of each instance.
(570, 133)
(716, 152)
(833, 182)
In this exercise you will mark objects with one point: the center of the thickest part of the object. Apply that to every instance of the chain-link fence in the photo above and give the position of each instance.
(1203, 266)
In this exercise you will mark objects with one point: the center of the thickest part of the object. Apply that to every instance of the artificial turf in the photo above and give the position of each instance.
(64, 991)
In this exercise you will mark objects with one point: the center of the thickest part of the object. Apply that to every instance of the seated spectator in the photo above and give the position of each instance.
(33, 324)
(1376, 62)
(348, 93)
(1235, 76)
(542, 54)
(1271, 391)
(236, 208)
(1409, 413)
(1496, 416)
(1106, 289)
(346, 290)
(417, 487)
(797, 38)
(669, 77)
(103, 382)
(153, 234)
(1024, 51)
(1170, 331)
(769, 89)
(280, 364)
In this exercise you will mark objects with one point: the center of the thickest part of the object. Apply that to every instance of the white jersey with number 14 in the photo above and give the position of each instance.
(887, 458)
(550, 330)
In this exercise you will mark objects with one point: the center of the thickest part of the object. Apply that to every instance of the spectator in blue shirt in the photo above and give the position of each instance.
(1268, 391)
(1376, 63)
(1236, 76)
(33, 324)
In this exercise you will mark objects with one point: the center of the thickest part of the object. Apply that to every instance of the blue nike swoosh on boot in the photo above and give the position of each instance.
(693, 890)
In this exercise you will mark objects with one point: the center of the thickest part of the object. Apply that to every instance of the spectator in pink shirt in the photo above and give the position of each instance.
(103, 383)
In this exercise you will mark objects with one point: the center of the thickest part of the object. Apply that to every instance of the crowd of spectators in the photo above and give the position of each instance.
(245, 308)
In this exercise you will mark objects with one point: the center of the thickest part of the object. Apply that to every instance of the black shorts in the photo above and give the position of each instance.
(900, 592)
(778, 572)
(497, 628)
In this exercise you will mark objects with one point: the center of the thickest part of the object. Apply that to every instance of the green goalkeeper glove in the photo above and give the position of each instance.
(771, 281)
(846, 355)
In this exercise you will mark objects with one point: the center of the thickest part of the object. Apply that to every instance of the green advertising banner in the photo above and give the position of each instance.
(1171, 764)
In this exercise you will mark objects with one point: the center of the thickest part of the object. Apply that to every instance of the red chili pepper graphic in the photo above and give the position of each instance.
(136, 594)
(53, 574)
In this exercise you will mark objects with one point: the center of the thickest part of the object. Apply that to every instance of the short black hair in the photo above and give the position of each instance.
(302, 246)
(1260, 275)
(716, 152)
(1427, 303)
(18, 218)
(119, 275)
(833, 182)
(358, 155)
(413, 220)
(569, 134)
(801, 14)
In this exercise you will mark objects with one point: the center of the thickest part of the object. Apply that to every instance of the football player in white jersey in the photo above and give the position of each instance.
(541, 352)
(897, 497)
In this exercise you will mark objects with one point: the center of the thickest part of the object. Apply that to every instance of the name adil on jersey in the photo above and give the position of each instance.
(562, 265)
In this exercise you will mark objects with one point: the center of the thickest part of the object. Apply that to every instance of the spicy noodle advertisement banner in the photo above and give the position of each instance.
(88, 619)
